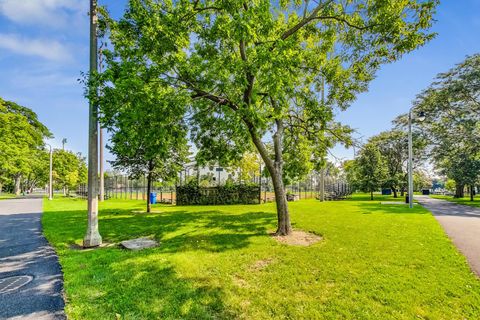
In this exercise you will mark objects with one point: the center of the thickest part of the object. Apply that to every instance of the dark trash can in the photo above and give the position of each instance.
(153, 197)
(406, 199)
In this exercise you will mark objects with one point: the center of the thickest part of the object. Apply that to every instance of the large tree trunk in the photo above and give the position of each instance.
(402, 192)
(371, 195)
(16, 185)
(459, 190)
(395, 194)
(472, 192)
(275, 168)
(283, 215)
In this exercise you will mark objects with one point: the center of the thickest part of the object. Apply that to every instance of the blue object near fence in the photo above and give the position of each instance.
(153, 197)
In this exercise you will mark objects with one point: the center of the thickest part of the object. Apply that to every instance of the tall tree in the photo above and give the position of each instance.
(371, 169)
(452, 106)
(252, 70)
(21, 138)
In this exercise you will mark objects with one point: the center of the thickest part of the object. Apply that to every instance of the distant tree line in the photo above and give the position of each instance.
(448, 138)
(24, 158)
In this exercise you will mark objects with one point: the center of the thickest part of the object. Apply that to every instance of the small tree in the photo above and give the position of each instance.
(393, 146)
(371, 170)
(148, 132)
(69, 170)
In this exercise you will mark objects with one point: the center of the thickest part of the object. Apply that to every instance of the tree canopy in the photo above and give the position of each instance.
(452, 125)
(254, 70)
(21, 139)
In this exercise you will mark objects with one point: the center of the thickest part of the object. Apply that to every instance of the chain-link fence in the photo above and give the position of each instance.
(123, 187)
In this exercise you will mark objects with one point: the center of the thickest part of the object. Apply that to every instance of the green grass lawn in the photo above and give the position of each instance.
(465, 200)
(218, 262)
(6, 196)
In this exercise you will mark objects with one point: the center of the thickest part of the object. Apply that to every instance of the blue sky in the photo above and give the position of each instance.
(44, 47)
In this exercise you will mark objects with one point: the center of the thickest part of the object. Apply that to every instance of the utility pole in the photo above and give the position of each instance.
(92, 237)
(102, 179)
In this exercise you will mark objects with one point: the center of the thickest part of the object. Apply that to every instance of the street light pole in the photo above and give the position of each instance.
(410, 160)
(50, 183)
(420, 117)
(92, 237)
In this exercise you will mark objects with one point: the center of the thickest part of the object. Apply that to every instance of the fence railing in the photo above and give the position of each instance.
(123, 187)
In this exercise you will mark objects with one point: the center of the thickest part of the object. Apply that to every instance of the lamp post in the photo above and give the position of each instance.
(50, 184)
(92, 237)
(420, 117)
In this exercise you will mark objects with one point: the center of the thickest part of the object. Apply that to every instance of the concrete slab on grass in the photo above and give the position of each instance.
(139, 244)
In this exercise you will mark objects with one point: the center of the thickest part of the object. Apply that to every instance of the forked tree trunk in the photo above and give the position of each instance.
(459, 190)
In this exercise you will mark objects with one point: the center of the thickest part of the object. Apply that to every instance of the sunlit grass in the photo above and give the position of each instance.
(465, 200)
(218, 262)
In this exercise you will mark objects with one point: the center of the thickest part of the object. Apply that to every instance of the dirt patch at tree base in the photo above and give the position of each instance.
(298, 238)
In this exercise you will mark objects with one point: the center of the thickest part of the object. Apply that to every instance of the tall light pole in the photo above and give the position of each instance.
(420, 117)
(92, 237)
(50, 181)
(102, 179)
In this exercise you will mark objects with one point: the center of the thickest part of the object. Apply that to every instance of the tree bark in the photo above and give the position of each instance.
(395, 194)
(149, 186)
(275, 168)
(16, 185)
(371, 195)
(459, 190)
(402, 192)
(472, 192)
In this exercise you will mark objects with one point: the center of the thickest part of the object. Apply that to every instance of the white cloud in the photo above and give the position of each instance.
(56, 13)
(47, 49)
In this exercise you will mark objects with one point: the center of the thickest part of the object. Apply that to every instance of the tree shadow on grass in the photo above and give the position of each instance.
(142, 287)
(179, 230)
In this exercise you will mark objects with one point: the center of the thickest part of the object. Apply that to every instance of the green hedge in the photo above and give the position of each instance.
(228, 194)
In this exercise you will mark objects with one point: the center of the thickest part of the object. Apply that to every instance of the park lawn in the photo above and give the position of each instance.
(4, 196)
(465, 200)
(218, 262)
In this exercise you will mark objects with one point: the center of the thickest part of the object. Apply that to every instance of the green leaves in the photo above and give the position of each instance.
(452, 108)
(21, 138)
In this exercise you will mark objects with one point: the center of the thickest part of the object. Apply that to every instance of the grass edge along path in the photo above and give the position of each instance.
(465, 200)
(374, 262)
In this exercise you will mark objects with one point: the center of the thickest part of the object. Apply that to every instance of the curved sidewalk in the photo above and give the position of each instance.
(27, 259)
(462, 225)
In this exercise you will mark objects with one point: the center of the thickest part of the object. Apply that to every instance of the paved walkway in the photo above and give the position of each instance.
(461, 223)
(25, 252)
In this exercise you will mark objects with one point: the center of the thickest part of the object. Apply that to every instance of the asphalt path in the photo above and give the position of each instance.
(31, 281)
(462, 225)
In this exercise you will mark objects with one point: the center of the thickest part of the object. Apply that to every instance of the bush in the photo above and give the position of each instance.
(228, 194)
